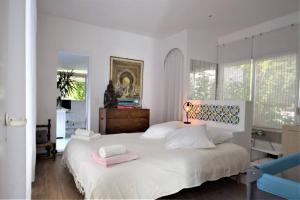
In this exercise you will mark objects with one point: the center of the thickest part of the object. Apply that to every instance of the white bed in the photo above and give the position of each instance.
(158, 172)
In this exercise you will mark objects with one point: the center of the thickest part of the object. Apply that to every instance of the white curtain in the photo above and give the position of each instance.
(202, 80)
(173, 90)
(263, 69)
(234, 71)
(276, 85)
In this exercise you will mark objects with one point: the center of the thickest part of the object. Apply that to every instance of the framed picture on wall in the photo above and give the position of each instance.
(127, 77)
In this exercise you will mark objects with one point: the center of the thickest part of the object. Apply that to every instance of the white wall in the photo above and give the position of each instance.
(176, 41)
(194, 44)
(58, 34)
(202, 45)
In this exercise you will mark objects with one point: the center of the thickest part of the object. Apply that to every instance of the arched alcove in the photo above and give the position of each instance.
(173, 85)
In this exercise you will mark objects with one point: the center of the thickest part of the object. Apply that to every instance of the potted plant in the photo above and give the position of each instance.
(64, 84)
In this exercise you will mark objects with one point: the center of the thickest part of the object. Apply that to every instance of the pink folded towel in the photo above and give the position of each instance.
(114, 159)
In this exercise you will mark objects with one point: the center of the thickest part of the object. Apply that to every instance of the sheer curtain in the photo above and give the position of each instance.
(276, 85)
(202, 80)
(234, 72)
(265, 70)
(173, 91)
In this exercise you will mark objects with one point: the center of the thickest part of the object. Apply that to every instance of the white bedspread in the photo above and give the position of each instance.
(158, 172)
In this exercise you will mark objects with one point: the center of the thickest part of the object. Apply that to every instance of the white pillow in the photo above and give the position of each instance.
(219, 135)
(192, 137)
(160, 131)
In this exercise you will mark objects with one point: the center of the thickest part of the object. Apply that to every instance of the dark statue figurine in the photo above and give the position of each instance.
(110, 97)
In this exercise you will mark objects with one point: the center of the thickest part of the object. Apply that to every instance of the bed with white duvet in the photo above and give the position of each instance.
(157, 172)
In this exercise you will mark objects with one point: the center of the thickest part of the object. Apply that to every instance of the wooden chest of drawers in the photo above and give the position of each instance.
(112, 120)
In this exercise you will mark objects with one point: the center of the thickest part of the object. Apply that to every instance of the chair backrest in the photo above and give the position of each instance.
(46, 127)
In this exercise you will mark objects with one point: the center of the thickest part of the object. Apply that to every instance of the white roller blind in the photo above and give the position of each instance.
(276, 81)
(236, 51)
(278, 42)
(234, 77)
(275, 99)
(202, 80)
(271, 74)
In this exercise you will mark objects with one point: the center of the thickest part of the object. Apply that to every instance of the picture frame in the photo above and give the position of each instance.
(127, 77)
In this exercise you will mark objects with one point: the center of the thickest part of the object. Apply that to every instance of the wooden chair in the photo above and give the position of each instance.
(43, 141)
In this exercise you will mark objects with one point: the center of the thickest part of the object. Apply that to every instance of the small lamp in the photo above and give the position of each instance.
(187, 107)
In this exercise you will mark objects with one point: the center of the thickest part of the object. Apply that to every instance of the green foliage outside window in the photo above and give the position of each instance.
(78, 93)
(237, 81)
(275, 91)
(72, 86)
(274, 88)
(203, 84)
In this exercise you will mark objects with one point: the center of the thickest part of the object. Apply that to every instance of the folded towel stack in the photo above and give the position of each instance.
(112, 150)
(83, 132)
(85, 138)
(85, 135)
(114, 159)
(114, 154)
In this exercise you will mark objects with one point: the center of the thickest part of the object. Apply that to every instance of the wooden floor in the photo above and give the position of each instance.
(53, 181)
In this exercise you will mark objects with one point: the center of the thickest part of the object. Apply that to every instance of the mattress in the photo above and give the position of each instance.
(158, 172)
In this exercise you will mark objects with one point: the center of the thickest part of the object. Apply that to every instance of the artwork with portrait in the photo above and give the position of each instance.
(127, 77)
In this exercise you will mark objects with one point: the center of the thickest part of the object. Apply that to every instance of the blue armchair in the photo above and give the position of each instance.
(271, 186)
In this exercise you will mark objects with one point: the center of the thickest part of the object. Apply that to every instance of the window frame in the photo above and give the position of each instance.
(253, 82)
(191, 92)
(297, 85)
(78, 75)
(221, 96)
(253, 86)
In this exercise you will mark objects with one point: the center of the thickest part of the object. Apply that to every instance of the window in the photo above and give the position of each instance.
(275, 99)
(202, 80)
(74, 87)
(274, 89)
(79, 91)
(235, 81)
(263, 69)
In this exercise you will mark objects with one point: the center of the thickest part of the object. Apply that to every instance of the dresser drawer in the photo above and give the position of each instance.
(138, 125)
(139, 114)
(113, 120)
(117, 114)
(117, 126)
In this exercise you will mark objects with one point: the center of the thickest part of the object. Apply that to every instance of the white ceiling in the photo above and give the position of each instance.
(161, 18)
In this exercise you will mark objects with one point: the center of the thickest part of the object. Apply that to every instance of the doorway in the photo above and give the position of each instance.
(72, 96)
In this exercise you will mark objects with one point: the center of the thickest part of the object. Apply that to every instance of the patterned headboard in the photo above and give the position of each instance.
(228, 114)
(233, 115)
